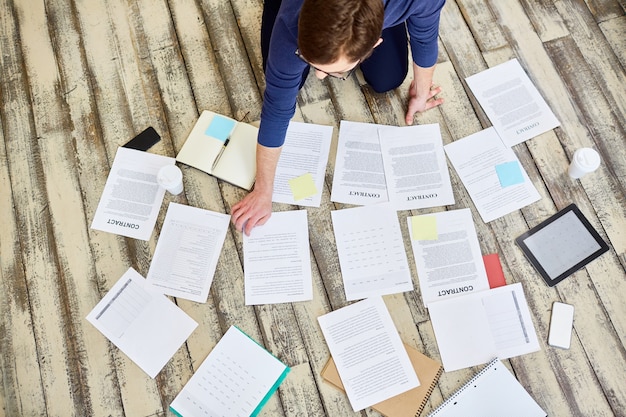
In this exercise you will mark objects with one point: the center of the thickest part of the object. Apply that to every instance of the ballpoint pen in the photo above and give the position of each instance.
(219, 155)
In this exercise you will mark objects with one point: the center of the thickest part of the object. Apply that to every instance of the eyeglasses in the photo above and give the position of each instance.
(339, 75)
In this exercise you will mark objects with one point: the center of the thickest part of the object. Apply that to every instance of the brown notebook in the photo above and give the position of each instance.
(407, 404)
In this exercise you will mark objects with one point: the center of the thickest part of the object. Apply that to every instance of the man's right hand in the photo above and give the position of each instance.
(254, 210)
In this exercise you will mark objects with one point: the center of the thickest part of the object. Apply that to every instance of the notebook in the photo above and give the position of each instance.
(236, 379)
(408, 404)
(493, 392)
(222, 147)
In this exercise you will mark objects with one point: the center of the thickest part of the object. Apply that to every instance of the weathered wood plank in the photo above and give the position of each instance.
(614, 30)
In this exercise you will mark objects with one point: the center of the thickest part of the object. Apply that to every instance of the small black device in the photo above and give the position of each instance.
(562, 244)
(144, 140)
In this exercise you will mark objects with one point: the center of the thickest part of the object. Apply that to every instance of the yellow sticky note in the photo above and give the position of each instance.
(424, 228)
(302, 187)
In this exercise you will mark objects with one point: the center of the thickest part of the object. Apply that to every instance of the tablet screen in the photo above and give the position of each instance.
(562, 244)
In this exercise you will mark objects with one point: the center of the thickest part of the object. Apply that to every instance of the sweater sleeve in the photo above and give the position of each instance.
(423, 28)
(283, 75)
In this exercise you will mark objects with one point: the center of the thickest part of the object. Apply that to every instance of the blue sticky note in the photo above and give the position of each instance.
(220, 127)
(509, 173)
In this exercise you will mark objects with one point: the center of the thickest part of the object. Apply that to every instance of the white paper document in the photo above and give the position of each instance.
(187, 252)
(370, 357)
(277, 261)
(235, 380)
(132, 198)
(141, 322)
(449, 263)
(474, 328)
(359, 176)
(476, 159)
(371, 251)
(305, 151)
(512, 102)
(415, 166)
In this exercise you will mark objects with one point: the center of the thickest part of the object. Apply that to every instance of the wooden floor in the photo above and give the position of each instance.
(78, 78)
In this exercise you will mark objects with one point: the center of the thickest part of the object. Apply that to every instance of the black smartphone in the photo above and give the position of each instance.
(144, 140)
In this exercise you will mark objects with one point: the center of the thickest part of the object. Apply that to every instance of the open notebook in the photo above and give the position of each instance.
(222, 147)
(410, 403)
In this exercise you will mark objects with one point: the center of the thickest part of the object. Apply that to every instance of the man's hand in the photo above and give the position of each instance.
(254, 210)
(422, 93)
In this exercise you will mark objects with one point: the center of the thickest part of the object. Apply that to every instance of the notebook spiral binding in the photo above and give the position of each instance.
(490, 365)
(429, 392)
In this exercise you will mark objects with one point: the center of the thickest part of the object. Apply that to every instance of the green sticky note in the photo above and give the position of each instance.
(424, 228)
(220, 127)
(302, 187)
(509, 173)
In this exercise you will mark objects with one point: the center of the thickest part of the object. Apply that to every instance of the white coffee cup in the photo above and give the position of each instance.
(584, 161)
(170, 177)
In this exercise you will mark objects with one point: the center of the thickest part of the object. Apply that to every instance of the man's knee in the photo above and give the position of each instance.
(388, 81)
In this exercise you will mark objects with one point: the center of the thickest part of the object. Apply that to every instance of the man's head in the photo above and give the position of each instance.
(333, 30)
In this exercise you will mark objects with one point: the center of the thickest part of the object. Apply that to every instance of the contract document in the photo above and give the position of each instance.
(371, 251)
(369, 355)
(476, 159)
(449, 264)
(359, 176)
(132, 198)
(277, 261)
(305, 151)
(141, 322)
(512, 102)
(474, 328)
(415, 166)
(186, 255)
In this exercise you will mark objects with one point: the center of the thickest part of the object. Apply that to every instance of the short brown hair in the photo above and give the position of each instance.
(328, 29)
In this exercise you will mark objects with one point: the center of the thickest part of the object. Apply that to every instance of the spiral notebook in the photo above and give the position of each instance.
(493, 392)
(407, 404)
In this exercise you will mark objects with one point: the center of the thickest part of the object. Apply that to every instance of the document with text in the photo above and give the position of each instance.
(305, 151)
(359, 176)
(449, 263)
(235, 380)
(370, 357)
(512, 102)
(132, 198)
(476, 159)
(371, 251)
(416, 171)
(277, 261)
(187, 252)
(141, 322)
(473, 329)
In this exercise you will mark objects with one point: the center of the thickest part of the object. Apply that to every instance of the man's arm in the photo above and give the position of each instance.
(422, 93)
(256, 208)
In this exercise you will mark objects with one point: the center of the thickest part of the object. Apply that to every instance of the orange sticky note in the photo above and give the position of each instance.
(302, 187)
(424, 228)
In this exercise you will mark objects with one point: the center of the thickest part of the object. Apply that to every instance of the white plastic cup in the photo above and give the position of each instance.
(170, 177)
(584, 161)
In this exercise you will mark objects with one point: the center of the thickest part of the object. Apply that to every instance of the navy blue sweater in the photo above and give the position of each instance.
(284, 69)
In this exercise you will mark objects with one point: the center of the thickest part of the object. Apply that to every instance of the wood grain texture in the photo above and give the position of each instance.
(79, 78)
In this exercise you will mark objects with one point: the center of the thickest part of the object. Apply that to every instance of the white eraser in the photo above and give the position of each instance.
(561, 325)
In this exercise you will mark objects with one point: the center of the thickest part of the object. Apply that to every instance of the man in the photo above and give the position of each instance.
(333, 37)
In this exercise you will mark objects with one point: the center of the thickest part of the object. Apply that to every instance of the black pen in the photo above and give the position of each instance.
(219, 155)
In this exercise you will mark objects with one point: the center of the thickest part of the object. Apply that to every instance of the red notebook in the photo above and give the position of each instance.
(495, 276)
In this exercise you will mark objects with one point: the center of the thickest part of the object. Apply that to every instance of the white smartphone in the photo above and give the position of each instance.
(561, 325)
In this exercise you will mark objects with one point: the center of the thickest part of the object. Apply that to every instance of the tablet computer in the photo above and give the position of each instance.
(561, 244)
